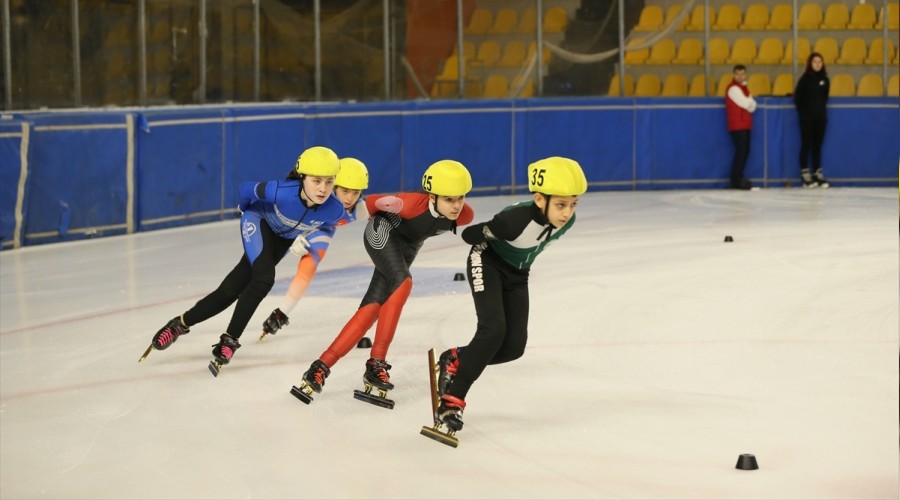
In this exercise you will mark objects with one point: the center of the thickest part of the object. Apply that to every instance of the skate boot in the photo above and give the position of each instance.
(376, 376)
(222, 352)
(808, 181)
(821, 180)
(166, 336)
(313, 380)
(447, 366)
(450, 412)
(274, 323)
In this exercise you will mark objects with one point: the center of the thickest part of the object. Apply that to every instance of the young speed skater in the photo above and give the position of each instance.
(503, 250)
(349, 184)
(274, 216)
(397, 229)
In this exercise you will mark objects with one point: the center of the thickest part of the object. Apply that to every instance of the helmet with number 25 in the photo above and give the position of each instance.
(556, 176)
(447, 178)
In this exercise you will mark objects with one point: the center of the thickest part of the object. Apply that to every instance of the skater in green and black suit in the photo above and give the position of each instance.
(503, 250)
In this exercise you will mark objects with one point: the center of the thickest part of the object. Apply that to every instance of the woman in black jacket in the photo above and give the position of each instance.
(810, 98)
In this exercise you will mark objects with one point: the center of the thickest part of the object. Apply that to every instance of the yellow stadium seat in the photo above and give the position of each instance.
(468, 49)
(724, 82)
(636, 57)
(828, 47)
(893, 89)
(876, 51)
(651, 18)
(836, 17)
(488, 54)
(690, 51)
(771, 51)
(445, 85)
(546, 55)
(527, 89)
(862, 17)
(648, 85)
(893, 16)
(527, 22)
(672, 13)
(481, 21)
(662, 52)
(504, 21)
(870, 85)
(555, 20)
(697, 84)
(614, 90)
(675, 85)
(728, 19)
(759, 84)
(803, 51)
(513, 54)
(784, 85)
(853, 51)
(782, 17)
(842, 85)
(696, 21)
(743, 51)
(810, 17)
(756, 17)
(718, 51)
(496, 87)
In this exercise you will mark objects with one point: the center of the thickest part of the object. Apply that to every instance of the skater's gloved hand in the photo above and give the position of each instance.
(300, 246)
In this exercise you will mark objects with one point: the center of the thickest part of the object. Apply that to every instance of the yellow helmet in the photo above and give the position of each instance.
(318, 161)
(556, 176)
(353, 175)
(447, 178)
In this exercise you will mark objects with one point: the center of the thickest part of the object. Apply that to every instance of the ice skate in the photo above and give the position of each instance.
(275, 321)
(450, 412)
(222, 352)
(313, 380)
(808, 181)
(166, 336)
(435, 431)
(821, 180)
(377, 377)
(447, 366)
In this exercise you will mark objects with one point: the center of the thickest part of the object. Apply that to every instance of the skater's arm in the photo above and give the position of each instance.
(319, 241)
(383, 203)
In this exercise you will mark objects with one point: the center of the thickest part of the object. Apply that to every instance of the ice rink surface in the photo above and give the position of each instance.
(657, 355)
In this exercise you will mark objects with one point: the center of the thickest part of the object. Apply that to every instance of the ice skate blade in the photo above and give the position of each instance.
(435, 433)
(261, 337)
(146, 353)
(379, 400)
(214, 367)
(301, 395)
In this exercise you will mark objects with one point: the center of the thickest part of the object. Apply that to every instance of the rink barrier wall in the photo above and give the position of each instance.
(84, 173)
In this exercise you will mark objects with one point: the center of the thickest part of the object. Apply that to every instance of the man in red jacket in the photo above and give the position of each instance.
(739, 106)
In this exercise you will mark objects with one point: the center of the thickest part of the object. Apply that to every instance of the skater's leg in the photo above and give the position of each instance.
(354, 330)
(222, 297)
(516, 308)
(388, 318)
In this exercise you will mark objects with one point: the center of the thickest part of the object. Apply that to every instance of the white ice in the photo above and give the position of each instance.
(657, 355)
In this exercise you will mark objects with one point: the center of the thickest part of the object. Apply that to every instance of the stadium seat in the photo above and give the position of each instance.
(853, 51)
(648, 85)
(876, 51)
(496, 87)
(651, 18)
(771, 51)
(481, 21)
(718, 51)
(696, 20)
(782, 17)
(468, 49)
(488, 54)
(662, 52)
(696, 89)
(759, 84)
(724, 82)
(445, 85)
(784, 84)
(810, 17)
(756, 17)
(555, 20)
(690, 51)
(504, 21)
(893, 89)
(836, 17)
(893, 17)
(870, 85)
(842, 85)
(728, 19)
(675, 85)
(527, 22)
(614, 86)
(513, 54)
(546, 55)
(636, 57)
(863, 17)
(828, 47)
(672, 13)
(743, 51)
(803, 51)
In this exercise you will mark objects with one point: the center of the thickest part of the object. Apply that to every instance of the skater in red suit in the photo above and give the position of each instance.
(503, 250)
(398, 226)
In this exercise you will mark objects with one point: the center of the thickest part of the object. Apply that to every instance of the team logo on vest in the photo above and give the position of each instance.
(475, 266)
(248, 230)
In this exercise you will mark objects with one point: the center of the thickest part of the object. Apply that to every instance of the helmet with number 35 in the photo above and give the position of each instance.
(556, 176)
